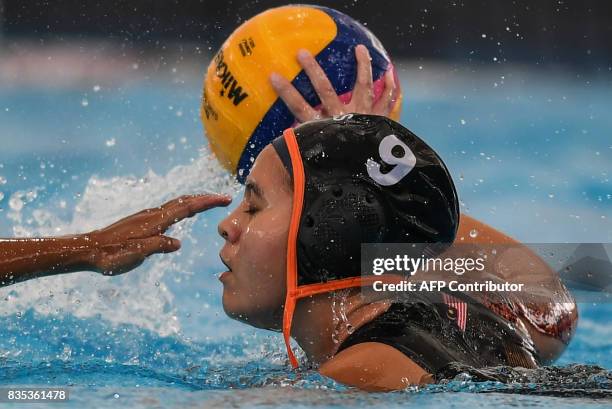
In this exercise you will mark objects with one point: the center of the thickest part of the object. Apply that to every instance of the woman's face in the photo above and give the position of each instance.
(255, 249)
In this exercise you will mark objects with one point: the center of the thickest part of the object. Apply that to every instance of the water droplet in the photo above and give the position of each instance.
(15, 203)
(463, 122)
(96, 88)
(111, 142)
(116, 396)
(84, 102)
(473, 233)
(157, 284)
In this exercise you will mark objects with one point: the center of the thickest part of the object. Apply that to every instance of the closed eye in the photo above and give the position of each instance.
(251, 210)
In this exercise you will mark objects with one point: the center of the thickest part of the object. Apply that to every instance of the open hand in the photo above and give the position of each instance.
(362, 100)
(125, 244)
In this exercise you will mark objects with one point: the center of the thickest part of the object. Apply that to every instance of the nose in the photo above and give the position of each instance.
(229, 228)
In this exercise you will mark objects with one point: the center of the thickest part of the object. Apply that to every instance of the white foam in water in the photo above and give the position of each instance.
(139, 297)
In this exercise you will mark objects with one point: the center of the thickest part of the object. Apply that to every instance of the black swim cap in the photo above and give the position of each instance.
(358, 179)
(367, 180)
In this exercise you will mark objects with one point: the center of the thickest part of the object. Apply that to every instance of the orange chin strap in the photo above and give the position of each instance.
(296, 213)
(295, 292)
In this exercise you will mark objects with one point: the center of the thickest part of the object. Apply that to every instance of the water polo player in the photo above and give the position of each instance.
(292, 248)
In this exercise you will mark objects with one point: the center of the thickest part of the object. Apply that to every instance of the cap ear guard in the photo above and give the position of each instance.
(342, 215)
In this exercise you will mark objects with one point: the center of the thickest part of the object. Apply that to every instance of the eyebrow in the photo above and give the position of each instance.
(254, 188)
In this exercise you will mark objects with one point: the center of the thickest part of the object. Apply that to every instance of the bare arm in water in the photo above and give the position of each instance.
(113, 250)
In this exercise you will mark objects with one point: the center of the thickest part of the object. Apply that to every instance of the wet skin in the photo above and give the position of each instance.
(113, 250)
(255, 234)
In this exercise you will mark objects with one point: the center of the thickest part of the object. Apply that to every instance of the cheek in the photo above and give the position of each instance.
(263, 252)
(259, 285)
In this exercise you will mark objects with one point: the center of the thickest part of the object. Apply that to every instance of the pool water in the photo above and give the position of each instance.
(530, 151)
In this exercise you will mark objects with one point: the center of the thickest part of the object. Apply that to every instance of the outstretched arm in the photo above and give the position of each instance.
(113, 250)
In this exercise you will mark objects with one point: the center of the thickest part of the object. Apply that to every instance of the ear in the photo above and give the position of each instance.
(374, 367)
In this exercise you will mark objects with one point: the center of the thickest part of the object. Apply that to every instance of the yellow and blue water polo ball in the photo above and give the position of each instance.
(241, 111)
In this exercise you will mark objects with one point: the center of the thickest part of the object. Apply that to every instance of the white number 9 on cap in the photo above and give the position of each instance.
(403, 164)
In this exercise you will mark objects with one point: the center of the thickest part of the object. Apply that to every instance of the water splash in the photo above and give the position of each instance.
(576, 380)
(133, 298)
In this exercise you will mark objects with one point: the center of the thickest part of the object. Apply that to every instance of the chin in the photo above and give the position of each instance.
(270, 319)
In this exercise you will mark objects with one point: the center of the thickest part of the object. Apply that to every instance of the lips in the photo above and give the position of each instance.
(224, 274)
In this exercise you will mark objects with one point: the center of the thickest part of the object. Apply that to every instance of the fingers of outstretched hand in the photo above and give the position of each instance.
(321, 84)
(383, 105)
(363, 92)
(157, 220)
(154, 245)
(293, 99)
(187, 206)
(119, 259)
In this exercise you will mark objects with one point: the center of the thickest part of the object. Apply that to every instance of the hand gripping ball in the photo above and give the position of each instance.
(241, 111)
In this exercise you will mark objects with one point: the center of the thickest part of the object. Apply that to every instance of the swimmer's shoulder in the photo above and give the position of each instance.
(549, 347)
(374, 367)
(473, 231)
